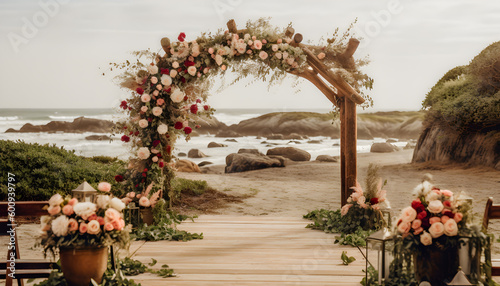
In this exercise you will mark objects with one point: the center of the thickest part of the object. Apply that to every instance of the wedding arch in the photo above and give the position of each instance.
(169, 94)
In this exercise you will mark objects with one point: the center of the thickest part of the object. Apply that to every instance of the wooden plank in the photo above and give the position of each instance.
(351, 146)
(344, 191)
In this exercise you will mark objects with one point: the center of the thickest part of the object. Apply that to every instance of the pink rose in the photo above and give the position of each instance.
(416, 223)
(73, 202)
(156, 93)
(92, 217)
(257, 44)
(145, 98)
(418, 231)
(160, 101)
(100, 219)
(445, 218)
(144, 108)
(434, 220)
(127, 200)
(263, 55)
(119, 224)
(154, 80)
(112, 214)
(108, 227)
(83, 227)
(426, 238)
(68, 210)
(72, 224)
(436, 229)
(458, 217)
(450, 228)
(435, 206)
(447, 193)
(274, 48)
(321, 55)
(404, 227)
(264, 41)
(279, 41)
(104, 187)
(93, 227)
(144, 201)
(409, 214)
(53, 210)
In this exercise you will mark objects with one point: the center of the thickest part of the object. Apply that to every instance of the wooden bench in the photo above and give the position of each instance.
(492, 212)
(24, 268)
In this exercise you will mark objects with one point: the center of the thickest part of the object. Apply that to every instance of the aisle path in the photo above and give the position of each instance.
(252, 250)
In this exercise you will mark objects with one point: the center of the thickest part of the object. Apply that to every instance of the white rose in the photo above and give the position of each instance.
(102, 201)
(162, 129)
(177, 96)
(218, 59)
(143, 123)
(117, 204)
(145, 98)
(143, 153)
(157, 111)
(166, 80)
(175, 65)
(192, 70)
(451, 228)
(426, 238)
(436, 229)
(435, 206)
(85, 209)
(93, 227)
(56, 200)
(152, 69)
(60, 225)
(173, 73)
(408, 214)
(144, 108)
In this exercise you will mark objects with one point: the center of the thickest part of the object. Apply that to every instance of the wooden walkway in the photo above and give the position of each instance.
(243, 250)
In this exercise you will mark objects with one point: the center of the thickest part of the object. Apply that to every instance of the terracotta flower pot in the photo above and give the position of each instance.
(147, 216)
(435, 265)
(80, 265)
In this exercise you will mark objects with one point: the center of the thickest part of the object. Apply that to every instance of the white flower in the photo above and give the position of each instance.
(408, 214)
(56, 200)
(143, 153)
(85, 209)
(450, 227)
(93, 227)
(157, 111)
(192, 70)
(436, 229)
(173, 73)
(274, 47)
(175, 65)
(162, 129)
(177, 96)
(143, 123)
(218, 59)
(166, 80)
(117, 204)
(102, 201)
(60, 225)
(152, 69)
(422, 189)
(426, 238)
(435, 206)
(278, 56)
(145, 98)
(144, 108)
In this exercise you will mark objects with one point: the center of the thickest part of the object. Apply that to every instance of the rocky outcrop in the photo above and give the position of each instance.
(326, 158)
(249, 151)
(209, 125)
(79, 125)
(291, 153)
(383, 148)
(437, 144)
(215, 145)
(187, 166)
(247, 162)
(196, 153)
(97, 137)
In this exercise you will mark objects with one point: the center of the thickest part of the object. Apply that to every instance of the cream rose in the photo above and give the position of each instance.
(409, 214)
(426, 238)
(192, 70)
(218, 59)
(451, 228)
(102, 201)
(60, 226)
(53, 210)
(278, 56)
(404, 227)
(154, 80)
(157, 111)
(117, 204)
(435, 206)
(436, 230)
(84, 210)
(274, 47)
(143, 153)
(166, 80)
(144, 108)
(162, 129)
(173, 73)
(177, 96)
(93, 227)
(263, 55)
(144, 201)
(143, 123)
(175, 65)
(56, 200)
(152, 69)
(145, 98)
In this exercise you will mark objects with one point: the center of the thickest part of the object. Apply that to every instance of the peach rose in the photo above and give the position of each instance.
(321, 55)
(434, 220)
(409, 214)
(447, 193)
(112, 214)
(458, 217)
(192, 70)
(445, 218)
(404, 227)
(263, 55)
(436, 229)
(144, 108)
(72, 224)
(160, 101)
(100, 219)
(435, 206)
(451, 228)
(155, 159)
(131, 195)
(257, 44)
(53, 210)
(104, 187)
(418, 231)
(426, 238)
(145, 98)
(144, 201)
(93, 227)
(173, 73)
(157, 111)
(143, 123)
(72, 202)
(274, 47)
(175, 65)
(126, 200)
(83, 227)
(108, 227)
(68, 210)
(154, 80)
(416, 223)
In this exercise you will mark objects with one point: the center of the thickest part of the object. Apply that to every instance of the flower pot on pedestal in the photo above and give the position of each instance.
(147, 216)
(80, 265)
(435, 264)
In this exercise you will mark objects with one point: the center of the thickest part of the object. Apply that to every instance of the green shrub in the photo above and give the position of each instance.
(42, 170)
(196, 187)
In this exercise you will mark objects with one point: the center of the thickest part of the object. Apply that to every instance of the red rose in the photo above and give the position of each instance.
(129, 108)
(150, 119)
(131, 132)
(136, 133)
(125, 127)
(183, 80)
(425, 223)
(119, 178)
(161, 164)
(124, 104)
(447, 204)
(197, 126)
(194, 109)
(189, 63)
(140, 90)
(421, 215)
(449, 214)
(181, 37)
(187, 130)
(178, 125)
(156, 143)
(145, 170)
(169, 150)
(125, 138)
(164, 71)
(186, 98)
(374, 201)
(144, 174)
(206, 107)
(198, 100)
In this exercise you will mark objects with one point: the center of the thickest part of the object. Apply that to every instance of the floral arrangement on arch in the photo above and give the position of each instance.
(168, 93)
(73, 224)
(146, 199)
(435, 216)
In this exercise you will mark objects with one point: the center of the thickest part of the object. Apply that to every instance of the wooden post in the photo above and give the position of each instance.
(350, 150)
(343, 189)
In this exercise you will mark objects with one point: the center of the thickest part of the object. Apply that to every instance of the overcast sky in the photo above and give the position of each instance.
(53, 54)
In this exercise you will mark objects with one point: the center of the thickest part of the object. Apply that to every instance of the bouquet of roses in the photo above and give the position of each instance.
(145, 199)
(434, 214)
(74, 224)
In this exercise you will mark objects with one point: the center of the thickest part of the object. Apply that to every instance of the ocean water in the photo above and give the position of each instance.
(16, 118)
